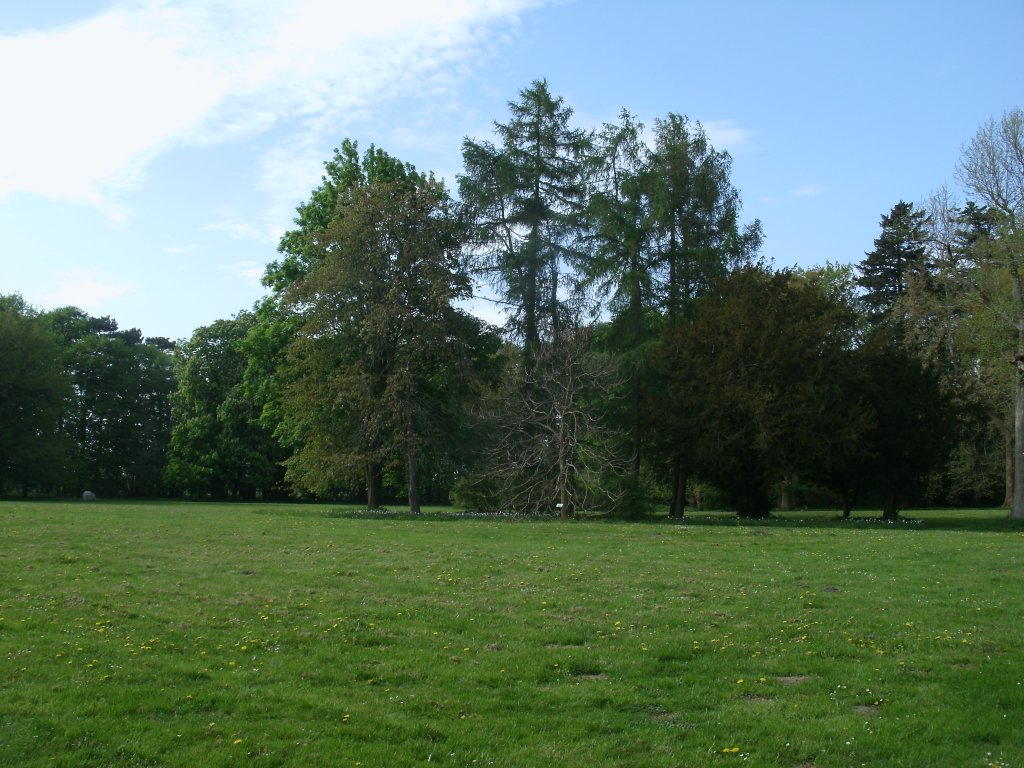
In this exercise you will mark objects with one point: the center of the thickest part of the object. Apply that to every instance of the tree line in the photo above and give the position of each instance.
(648, 356)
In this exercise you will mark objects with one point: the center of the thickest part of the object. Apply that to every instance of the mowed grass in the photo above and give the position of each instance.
(263, 635)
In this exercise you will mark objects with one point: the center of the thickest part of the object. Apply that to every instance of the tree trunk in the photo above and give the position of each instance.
(373, 485)
(847, 507)
(786, 502)
(1017, 511)
(564, 497)
(678, 504)
(637, 430)
(1008, 472)
(891, 510)
(412, 460)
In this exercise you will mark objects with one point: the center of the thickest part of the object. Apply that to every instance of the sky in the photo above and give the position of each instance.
(152, 152)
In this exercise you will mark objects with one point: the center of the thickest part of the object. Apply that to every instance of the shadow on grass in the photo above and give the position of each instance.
(969, 520)
(992, 520)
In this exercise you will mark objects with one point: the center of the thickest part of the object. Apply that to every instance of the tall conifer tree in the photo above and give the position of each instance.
(525, 198)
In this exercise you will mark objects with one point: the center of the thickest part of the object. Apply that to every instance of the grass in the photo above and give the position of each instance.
(263, 635)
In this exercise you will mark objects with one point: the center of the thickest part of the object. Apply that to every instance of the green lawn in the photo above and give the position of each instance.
(265, 635)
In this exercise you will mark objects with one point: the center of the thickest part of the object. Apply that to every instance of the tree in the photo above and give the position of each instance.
(898, 257)
(943, 321)
(751, 380)
(117, 416)
(550, 451)
(525, 200)
(346, 176)
(218, 446)
(378, 337)
(992, 170)
(913, 423)
(696, 209)
(32, 393)
(344, 173)
(623, 263)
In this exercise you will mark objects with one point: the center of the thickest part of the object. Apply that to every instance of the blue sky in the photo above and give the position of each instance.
(153, 151)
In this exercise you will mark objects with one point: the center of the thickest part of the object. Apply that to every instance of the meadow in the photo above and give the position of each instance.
(301, 635)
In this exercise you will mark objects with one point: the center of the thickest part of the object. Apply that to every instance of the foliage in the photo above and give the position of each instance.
(696, 209)
(898, 257)
(913, 424)
(647, 352)
(117, 416)
(219, 448)
(525, 200)
(752, 383)
(33, 388)
(379, 342)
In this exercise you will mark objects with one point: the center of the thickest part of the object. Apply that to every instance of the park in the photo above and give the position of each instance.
(183, 634)
(680, 509)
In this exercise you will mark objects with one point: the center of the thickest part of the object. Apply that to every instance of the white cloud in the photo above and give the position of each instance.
(251, 271)
(86, 288)
(94, 103)
(177, 250)
(242, 230)
(808, 190)
(728, 135)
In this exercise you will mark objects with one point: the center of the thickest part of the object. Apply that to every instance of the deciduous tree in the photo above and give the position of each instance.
(33, 390)
(378, 339)
(525, 199)
(991, 168)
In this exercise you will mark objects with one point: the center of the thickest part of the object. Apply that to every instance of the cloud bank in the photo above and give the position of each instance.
(90, 105)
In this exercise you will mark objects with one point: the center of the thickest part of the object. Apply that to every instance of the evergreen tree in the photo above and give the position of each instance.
(699, 238)
(696, 208)
(623, 264)
(525, 199)
(899, 255)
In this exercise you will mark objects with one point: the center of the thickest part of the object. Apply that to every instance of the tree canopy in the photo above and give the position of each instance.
(648, 351)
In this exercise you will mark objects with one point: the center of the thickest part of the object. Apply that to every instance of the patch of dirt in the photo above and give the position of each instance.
(793, 679)
(829, 588)
(867, 710)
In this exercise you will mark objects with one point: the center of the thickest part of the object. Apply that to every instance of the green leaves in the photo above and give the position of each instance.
(377, 330)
